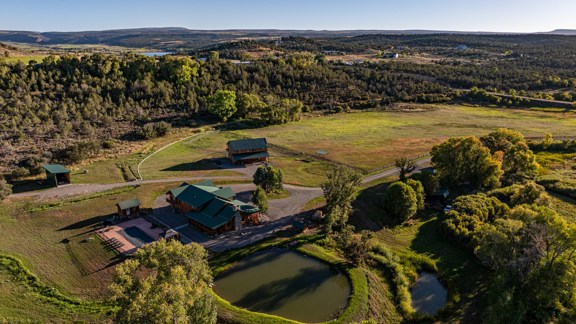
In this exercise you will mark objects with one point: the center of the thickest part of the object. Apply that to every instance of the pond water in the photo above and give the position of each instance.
(152, 54)
(285, 283)
(428, 294)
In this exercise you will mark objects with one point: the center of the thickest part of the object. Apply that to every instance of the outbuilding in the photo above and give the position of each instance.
(57, 174)
(129, 208)
(247, 151)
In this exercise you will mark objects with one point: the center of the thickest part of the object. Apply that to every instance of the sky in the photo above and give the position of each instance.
(462, 15)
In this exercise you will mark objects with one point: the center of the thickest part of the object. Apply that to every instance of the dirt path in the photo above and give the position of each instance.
(420, 164)
(86, 189)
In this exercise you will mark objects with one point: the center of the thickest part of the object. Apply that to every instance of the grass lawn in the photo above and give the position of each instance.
(83, 266)
(189, 158)
(373, 139)
(17, 303)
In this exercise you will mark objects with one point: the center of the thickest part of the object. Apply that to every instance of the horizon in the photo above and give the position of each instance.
(449, 15)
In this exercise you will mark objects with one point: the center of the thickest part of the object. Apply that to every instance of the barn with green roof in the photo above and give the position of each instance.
(247, 151)
(210, 208)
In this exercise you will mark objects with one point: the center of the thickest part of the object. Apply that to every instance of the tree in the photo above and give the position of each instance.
(406, 166)
(5, 189)
(502, 139)
(222, 104)
(429, 181)
(270, 179)
(165, 282)
(400, 201)
(547, 140)
(250, 105)
(465, 160)
(419, 191)
(260, 198)
(339, 188)
(353, 247)
(518, 161)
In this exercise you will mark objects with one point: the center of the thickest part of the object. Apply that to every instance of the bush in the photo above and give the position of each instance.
(5, 189)
(153, 130)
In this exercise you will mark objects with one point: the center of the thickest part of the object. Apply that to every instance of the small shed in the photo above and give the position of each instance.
(57, 174)
(129, 208)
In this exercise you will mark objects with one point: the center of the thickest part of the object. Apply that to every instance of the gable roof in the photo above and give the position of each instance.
(214, 204)
(192, 195)
(55, 168)
(127, 204)
(248, 144)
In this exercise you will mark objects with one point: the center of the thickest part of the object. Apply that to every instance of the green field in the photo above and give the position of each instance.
(367, 140)
(373, 139)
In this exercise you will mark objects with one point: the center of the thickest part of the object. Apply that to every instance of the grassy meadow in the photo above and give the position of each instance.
(373, 139)
(366, 140)
(56, 242)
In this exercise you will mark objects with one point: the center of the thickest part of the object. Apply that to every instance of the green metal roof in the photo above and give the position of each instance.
(127, 204)
(214, 207)
(223, 216)
(248, 144)
(225, 193)
(55, 168)
(250, 156)
(210, 222)
(214, 203)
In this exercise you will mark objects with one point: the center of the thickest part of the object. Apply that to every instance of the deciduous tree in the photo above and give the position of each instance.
(270, 179)
(400, 201)
(466, 160)
(260, 198)
(339, 188)
(406, 166)
(165, 282)
(222, 104)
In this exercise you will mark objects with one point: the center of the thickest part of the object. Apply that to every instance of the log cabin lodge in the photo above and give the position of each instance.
(212, 209)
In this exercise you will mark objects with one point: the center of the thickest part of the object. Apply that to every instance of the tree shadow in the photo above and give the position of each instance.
(269, 296)
(254, 260)
(19, 186)
(90, 223)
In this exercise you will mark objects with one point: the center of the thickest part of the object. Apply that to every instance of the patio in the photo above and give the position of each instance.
(127, 237)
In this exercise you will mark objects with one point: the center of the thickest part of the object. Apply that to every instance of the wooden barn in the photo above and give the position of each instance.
(57, 174)
(248, 151)
(129, 208)
(210, 208)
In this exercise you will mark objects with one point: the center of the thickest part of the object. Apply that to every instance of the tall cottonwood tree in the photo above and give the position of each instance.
(165, 282)
(339, 188)
(462, 160)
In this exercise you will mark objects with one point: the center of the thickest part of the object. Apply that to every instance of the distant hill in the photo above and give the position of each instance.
(176, 37)
(568, 32)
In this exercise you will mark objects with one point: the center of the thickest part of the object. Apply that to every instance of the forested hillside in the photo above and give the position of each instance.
(69, 106)
(60, 102)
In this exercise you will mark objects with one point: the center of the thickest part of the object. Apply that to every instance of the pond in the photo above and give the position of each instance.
(152, 54)
(285, 283)
(428, 294)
